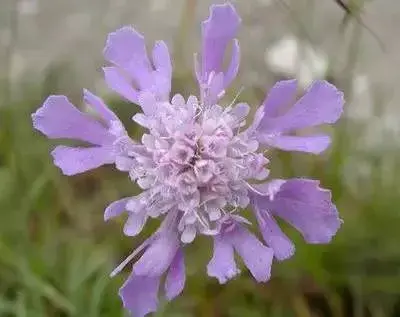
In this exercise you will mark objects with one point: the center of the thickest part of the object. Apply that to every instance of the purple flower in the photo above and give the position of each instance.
(197, 164)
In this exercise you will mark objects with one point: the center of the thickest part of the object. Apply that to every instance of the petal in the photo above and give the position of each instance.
(58, 118)
(139, 294)
(256, 256)
(120, 84)
(253, 127)
(321, 104)
(126, 49)
(272, 234)
(308, 208)
(148, 103)
(217, 31)
(116, 208)
(125, 46)
(281, 96)
(135, 223)
(233, 67)
(222, 265)
(162, 61)
(158, 257)
(99, 106)
(214, 89)
(311, 144)
(75, 160)
(176, 277)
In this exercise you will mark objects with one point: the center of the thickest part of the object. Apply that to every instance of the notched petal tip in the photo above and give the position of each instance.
(321, 221)
(331, 96)
(118, 39)
(281, 116)
(218, 30)
(224, 11)
(41, 113)
(139, 295)
(222, 266)
(256, 256)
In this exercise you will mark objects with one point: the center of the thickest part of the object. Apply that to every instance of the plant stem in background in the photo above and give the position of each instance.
(9, 52)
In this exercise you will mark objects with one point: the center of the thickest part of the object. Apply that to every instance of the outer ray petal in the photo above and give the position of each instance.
(303, 204)
(222, 265)
(276, 118)
(126, 49)
(140, 294)
(176, 277)
(76, 160)
(256, 256)
(58, 118)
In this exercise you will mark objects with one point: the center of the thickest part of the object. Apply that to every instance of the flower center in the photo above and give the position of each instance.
(196, 160)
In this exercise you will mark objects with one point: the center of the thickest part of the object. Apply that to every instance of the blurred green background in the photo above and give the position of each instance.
(56, 252)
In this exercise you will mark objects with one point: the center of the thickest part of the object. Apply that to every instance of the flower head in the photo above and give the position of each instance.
(197, 164)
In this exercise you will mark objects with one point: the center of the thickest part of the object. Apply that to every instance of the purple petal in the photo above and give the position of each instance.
(126, 46)
(163, 66)
(120, 84)
(272, 234)
(139, 294)
(148, 103)
(58, 118)
(256, 256)
(176, 277)
(126, 49)
(311, 144)
(158, 257)
(116, 208)
(217, 31)
(99, 106)
(233, 67)
(321, 104)
(281, 96)
(222, 265)
(75, 160)
(253, 127)
(214, 89)
(162, 59)
(135, 223)
(308, 208)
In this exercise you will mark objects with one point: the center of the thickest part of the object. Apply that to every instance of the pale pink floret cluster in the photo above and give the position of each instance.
(195, 159)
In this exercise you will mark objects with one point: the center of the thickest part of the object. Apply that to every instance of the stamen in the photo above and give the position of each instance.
(131, 256)
(201, 220)
(235, 98)
(255, 190)
(241, 166)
